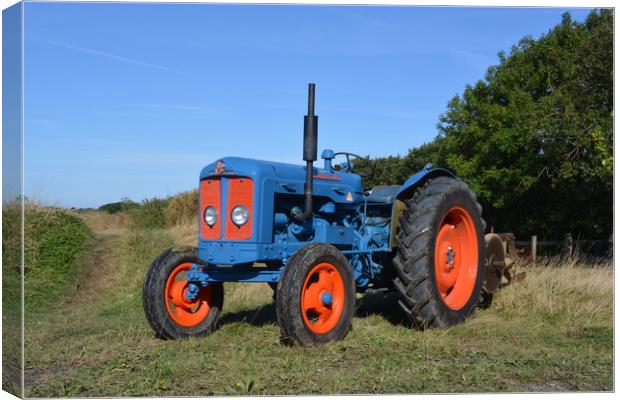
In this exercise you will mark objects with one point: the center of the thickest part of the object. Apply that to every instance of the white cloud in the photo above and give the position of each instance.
(112, 56)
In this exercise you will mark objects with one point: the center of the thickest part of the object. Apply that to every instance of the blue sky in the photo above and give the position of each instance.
(133, 99)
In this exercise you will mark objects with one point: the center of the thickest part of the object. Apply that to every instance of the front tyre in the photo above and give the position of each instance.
(315, 299)
(440, 257)
(168, 311)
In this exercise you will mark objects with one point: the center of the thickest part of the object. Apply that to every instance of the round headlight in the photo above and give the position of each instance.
(210, 215)
(240, 215)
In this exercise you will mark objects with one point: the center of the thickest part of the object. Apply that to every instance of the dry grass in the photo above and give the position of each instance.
(184, 235)
(578, 290)
(104, 223)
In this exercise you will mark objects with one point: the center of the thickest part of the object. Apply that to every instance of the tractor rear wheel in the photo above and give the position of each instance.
(167, 309)
(315, 300)
(440, 259)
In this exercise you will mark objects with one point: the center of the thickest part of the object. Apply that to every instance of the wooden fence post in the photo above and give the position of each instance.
(534, 240)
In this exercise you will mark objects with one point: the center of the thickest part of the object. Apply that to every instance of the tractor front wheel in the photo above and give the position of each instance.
(315, 299)
(440, 258)
(166, 305)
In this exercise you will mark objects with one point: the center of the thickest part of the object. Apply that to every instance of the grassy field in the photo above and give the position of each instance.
(549, 332)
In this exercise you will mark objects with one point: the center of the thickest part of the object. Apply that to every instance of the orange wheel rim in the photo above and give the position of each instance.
(456, 258)
(183, 311)
(322, 298)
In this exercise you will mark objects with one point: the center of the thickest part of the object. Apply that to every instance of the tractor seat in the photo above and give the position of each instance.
(383, 194)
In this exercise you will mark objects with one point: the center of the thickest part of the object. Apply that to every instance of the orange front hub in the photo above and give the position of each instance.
(322, 298)
(183, 311)
(456, 258)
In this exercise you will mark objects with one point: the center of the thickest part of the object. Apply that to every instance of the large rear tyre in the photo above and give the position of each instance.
(440, 257)
(167, 309)
(315, 299)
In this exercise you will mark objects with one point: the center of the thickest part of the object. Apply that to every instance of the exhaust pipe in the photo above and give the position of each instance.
(311, 123)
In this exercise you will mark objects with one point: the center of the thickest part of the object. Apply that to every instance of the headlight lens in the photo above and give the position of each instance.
(240, 215)
(210, 215)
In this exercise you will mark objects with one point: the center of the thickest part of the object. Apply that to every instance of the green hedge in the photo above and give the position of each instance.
(55, 246)
(150, 214)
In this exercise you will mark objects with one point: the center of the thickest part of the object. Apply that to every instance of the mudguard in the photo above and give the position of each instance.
(419, 178)
(406, 191)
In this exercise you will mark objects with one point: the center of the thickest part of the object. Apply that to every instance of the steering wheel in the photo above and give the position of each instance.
(350, 165)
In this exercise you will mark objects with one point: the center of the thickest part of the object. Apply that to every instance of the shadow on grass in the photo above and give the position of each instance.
(384, 305)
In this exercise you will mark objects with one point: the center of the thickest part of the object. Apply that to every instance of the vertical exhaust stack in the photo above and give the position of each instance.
(311, 134)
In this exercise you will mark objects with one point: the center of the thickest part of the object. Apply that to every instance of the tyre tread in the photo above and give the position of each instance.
(154, 306)
(413, 260)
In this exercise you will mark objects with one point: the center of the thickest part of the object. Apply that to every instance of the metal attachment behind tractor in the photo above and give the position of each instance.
(500, 255)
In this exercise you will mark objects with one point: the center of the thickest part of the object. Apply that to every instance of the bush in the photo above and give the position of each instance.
(55, 244)
(150, 213)
(120, 206)
(11, 296)
(182, 208)
(11, 236)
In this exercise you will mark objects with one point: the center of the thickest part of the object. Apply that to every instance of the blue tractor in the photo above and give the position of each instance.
(317, 237)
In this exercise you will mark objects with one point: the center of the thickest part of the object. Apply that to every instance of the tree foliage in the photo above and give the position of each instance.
(125, 204)
(534, 137)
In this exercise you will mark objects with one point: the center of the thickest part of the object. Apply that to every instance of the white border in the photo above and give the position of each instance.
(451, 3)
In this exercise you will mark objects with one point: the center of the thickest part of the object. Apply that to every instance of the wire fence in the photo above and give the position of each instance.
(535, 249)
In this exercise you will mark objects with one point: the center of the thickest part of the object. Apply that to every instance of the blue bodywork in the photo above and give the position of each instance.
(354, 221)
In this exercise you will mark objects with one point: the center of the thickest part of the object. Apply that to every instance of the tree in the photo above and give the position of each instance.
(534, 138)
(380, 171)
